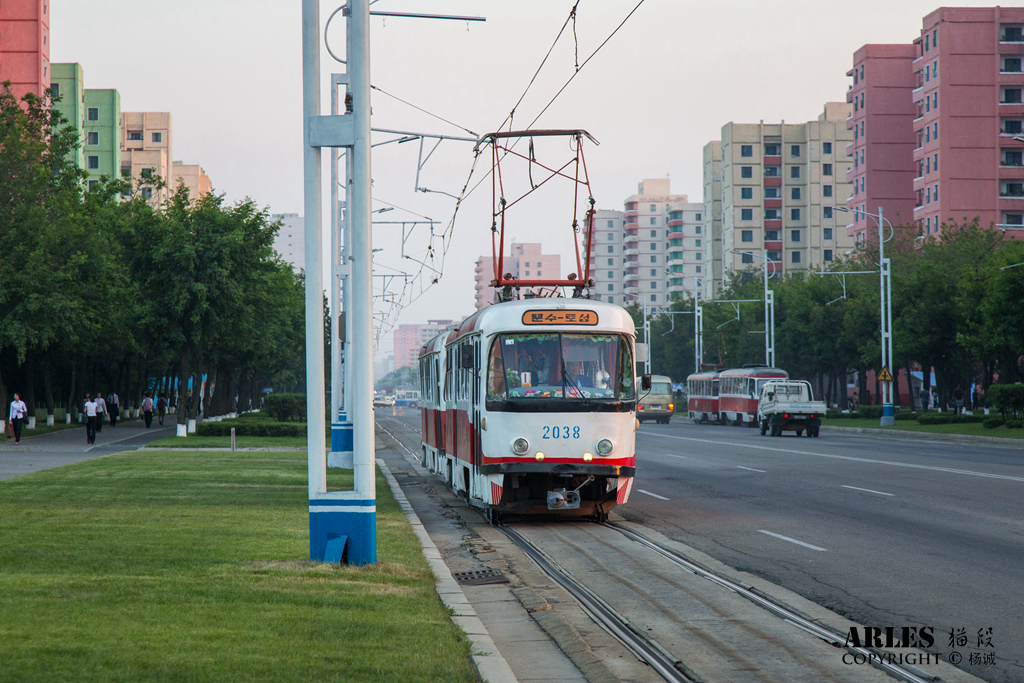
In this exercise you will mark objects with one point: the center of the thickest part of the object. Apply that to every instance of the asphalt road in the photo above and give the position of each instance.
(887, 532)
(62, 448)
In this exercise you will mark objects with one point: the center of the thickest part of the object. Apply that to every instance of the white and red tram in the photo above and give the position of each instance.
(702, 396)
(529, 407)
(738, 390)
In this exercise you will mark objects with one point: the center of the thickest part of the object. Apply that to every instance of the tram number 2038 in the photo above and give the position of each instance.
(557, 432)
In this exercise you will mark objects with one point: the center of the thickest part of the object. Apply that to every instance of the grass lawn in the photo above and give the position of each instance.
(191, 566)
(971, 429)
(193, 441)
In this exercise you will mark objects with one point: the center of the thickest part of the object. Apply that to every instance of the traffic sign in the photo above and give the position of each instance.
(884, 375)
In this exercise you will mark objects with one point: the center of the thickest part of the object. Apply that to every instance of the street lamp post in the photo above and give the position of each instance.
(885, 292)
(769, 309)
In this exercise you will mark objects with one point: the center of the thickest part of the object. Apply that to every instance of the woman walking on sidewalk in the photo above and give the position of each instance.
(17, 416)
(91, 409)
(147, 410)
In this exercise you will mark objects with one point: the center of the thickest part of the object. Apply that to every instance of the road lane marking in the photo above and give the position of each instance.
(793, 540)
(653, 495)
(673, 455)
(751, 469)
(855, 488)
(134, 436)
(844, 457)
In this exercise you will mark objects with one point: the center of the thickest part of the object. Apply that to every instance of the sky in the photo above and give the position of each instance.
(230, 72)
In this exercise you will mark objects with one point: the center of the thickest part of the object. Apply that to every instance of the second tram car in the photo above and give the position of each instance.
(529, 407)
(738, 392)
(702, 396)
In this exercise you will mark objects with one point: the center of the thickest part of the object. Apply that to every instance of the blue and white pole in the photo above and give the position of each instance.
(341, 523)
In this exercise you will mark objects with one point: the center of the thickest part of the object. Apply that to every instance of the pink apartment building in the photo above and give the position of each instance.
(525, 260)
(883, 169)
(410, 338)
(25, 45)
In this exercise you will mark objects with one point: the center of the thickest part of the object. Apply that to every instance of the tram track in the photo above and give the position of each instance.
(660, 659)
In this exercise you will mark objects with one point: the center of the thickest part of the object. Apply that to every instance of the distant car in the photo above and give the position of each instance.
(381, 401)
(658, 404)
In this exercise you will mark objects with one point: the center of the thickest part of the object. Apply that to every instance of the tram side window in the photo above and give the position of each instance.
(714, 387)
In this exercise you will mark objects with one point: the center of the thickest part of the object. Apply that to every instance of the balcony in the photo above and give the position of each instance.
(632, 257)
(675, 234)
(631, 232)
(631, 290)
(631, 245)
(632, 270)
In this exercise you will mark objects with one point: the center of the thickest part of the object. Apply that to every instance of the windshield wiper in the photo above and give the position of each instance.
(579, 392)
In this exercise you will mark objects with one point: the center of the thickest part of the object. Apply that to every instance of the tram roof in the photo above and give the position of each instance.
(757, 371)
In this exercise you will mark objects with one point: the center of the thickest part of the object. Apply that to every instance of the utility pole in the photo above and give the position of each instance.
(885, 287)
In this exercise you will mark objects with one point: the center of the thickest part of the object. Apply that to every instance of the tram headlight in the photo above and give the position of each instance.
(587, 457)
(539, 456)
(520, 446)
(604, 447)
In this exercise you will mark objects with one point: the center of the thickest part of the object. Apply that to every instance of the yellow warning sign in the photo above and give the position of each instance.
(884, 375)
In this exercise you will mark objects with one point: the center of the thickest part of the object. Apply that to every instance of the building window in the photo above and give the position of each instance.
(935, 162)
(55, 88)
(654, 220)
(746, 235)
(696, 243)
(698, 255)
(794, 150)
(826, 148)
(775, 256)
(654, 272)
(794, 256)
(746, 150)
(654, 258)
(93, 184)
(794, 214)
(654, 233)
(158, 137)
(746, 257)
(772, 151)
(147, 193)
(1010, 65)
(826, 234)
(653, 246)
(1012, 126)
(611, 274)
(611, 224)
(654, 285)
(935, 194)
(772, 193)
(611, 288)
(826, 169)
(771, 235)
(935, 132)
(794, 235)
(611, 299)
(794, 193)
(611, 262)
(92, 138)
(654, 297)
(696, 269)
(697, 218)
(92, 114)
(794, 171)
(827, 212)
(94, 163)
(135, 135)
(748, 192)
(611, 249)
(935, 68)
(927, 195)
(772, 171)
(826, 255)
(772, 215)
(826, 190)
(696, 229)
(748, 214)
(746, 171)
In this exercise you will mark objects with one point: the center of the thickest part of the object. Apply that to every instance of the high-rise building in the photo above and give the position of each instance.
(780, 185)
(712, 281)
(607, 265)
(101, 142)
(290, 242)
(645, 242)
(191, 176)
(883, 169)
(67, 83)
(525, 260)
(970, 154)
(25, 46)
(685, 259)
(146, 148)
(410, 338)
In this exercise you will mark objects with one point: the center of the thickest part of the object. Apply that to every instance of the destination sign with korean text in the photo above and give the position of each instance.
(560, 318)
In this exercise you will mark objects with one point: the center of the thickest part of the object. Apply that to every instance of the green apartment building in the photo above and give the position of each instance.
(67, 83)
(102, 134)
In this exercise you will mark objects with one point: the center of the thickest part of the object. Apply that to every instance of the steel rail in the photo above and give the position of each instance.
(647, 650)
(779, 610)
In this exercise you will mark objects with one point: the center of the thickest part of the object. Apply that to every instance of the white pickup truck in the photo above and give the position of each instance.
(788, 405)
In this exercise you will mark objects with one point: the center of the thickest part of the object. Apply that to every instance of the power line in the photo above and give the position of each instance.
(439, 118)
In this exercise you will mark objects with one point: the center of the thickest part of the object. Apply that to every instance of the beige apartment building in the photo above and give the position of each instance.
(191, 176)
(525, 260)
(146, 145)
(711, 284)
(783, 188)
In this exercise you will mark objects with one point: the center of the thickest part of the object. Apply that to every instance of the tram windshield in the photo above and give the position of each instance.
(560, 366)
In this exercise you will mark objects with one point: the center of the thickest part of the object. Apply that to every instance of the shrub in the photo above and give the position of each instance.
(1014, 424)
(906, 416)
(947, 418)
(992, 422)
(835, 415)
(1007, 398)
(285, 407)
(251, 427)
(869, 411)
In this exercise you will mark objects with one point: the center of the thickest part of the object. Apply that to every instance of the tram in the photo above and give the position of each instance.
(407, 398)
(702, 396)
(738, 391)
(529, 407)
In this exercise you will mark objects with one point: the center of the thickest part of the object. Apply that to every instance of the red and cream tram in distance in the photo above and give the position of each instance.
(529, 407)
(738, 390)
(702, 396)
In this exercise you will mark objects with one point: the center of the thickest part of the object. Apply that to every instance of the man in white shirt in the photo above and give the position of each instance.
(17, 416)
(91, 410)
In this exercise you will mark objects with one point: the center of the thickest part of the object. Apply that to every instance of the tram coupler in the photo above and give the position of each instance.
(562, 499)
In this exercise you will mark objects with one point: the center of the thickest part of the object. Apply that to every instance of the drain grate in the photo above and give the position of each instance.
(480, 578)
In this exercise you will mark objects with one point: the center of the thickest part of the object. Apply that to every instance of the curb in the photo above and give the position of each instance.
(927, 436)
(490, 664)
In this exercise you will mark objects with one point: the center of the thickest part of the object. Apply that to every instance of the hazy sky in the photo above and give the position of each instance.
(230, 73)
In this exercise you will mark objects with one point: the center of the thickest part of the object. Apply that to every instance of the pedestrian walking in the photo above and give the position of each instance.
(958, 400)
(17, 416)
(161, 408)
(114, 403)
(924, 400)
(101, 411)
(91, 410)
(147, 410)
